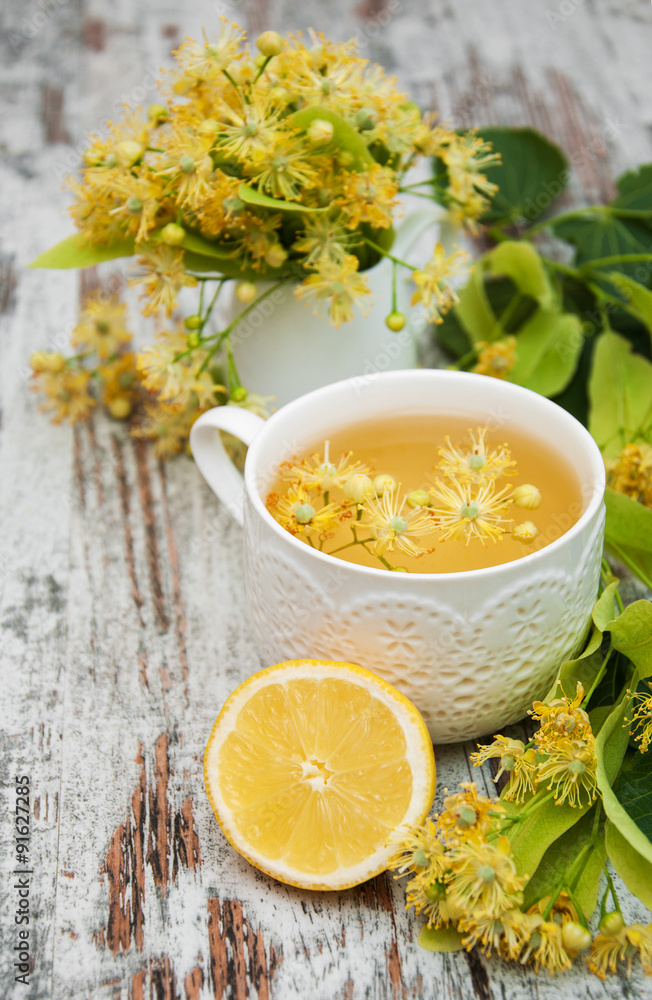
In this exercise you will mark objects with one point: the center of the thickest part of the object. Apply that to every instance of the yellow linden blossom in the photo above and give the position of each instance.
(296, 514)
(207, 62)
(419, 850)
(467, 157)
(369, 196)
(631, 473)
(163, 275)
(616, 942)
(483, 875)
(138, 201)
(67, 394)
(433, 282)
(545, 947)
(323, 237)
(467, 814)
(394, 524)
(504, 933)
(255, 236)
(561, 717)
(496, 359)
(316, 473)
(467, 511)
(168, 426)
(168, 369)
(642, 718)
(516, 761)
(119, 379)
(102, 325)
(338, 284)
(187, 164)
(248, 130)
(283, 168)
(570, 770)
(476, 462)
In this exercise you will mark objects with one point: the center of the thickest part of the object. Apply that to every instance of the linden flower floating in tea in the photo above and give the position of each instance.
(366, 515)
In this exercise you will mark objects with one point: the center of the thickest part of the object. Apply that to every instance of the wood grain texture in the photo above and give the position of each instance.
(124, 625)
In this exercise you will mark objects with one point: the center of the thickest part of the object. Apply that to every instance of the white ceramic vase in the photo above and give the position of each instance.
(281, 349)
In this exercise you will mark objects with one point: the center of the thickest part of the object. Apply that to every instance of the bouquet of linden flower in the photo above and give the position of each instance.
(282, 164)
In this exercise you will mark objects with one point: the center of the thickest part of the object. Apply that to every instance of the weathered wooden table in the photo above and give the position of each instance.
(124, 625)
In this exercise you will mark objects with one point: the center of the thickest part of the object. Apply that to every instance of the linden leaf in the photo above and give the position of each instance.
(577, 858)
(474, 311)
(631, 633)
(445, 939)
(634, 870)
(521, 263)
(635, 190)
(584, 668)
(610, 746)
(532, 173)
(628, 533)
(531, 837)
(620, 394)
(253, 197)
(73, 252)
(605, 234)
(638, 297)
(634, 787)
(547, 351)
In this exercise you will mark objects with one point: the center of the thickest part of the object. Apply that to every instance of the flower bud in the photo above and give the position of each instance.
(316, 57)
(187, 165)
(245, 292)
(611, 924)
(345, 158)
(134, 205)
(395, 321)
(384, 483)
(366, 119)
(320, 131)
(527, 496)
(400, 569)
(270, 43)
(127, 152)
(418, 498)
(239, 394)
(358, 487)
(120, 407)
(110, 161)
(93, 157)
(276, 255)
(193, 339)
(47, 361)
(173, 234)
(525, 532)
(574, 937)
(304, 513)
(158, 113)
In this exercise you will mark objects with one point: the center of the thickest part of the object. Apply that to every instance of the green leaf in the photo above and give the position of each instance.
(585, 667)
(631, 633)
(620, 394)
(629, 523)
(253, 197)
(345, 137)
(445, 939)
(577, 857)
(73, 252)
(605, 235)
(634, 870)
(637, 296)
(547, 350)
(521, 263)
(532, 174)
(531, 837)
(634, 788)
(207, 248)
(474, 311)
(635, 190)
(610, 746)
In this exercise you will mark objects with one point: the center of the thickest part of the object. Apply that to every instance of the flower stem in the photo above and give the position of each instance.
(618, 552)
(611, 889)
(385, 253)
(598, 677)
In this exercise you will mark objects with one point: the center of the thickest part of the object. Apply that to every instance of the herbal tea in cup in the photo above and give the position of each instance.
(427, 494)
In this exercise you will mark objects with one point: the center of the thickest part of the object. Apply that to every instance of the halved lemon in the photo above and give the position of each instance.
(313, 767)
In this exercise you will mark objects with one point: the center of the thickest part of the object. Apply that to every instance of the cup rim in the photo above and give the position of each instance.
(525, 561)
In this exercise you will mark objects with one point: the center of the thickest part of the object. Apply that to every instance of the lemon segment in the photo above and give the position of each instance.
(313, 767)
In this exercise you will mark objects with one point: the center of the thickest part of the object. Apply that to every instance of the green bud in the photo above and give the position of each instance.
(173, 234)
(395, 321)
(239, 394)
(187, 165)
(158, 113)
(611, 924)
(270, 43)
(192, 322)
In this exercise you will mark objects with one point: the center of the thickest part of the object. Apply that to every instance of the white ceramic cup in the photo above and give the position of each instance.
(471, 649)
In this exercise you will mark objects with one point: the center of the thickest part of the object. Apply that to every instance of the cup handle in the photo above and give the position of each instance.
(226, 482)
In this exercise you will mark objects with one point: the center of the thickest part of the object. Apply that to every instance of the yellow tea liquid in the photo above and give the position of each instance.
(407, 449)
